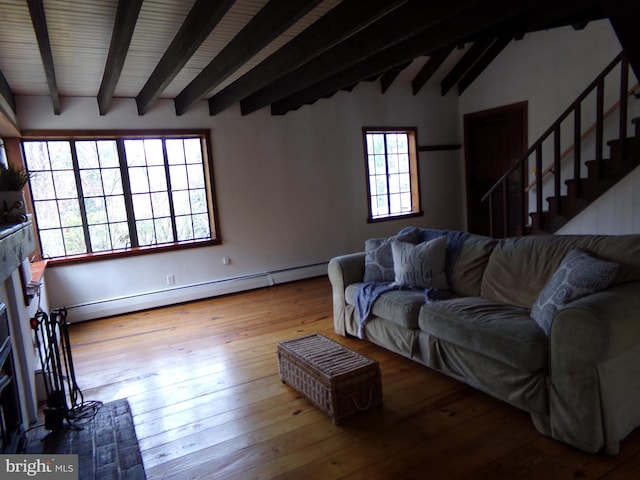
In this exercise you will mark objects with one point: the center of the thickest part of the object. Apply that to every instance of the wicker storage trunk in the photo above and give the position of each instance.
(336, 379)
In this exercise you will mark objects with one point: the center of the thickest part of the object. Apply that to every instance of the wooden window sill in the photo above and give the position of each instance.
(37, 270)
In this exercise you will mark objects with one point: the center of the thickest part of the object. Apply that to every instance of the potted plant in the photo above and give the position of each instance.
(12, 204)
(13, 179)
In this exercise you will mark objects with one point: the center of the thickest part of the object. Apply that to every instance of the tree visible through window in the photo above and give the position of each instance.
(392, 172)
(113, 194)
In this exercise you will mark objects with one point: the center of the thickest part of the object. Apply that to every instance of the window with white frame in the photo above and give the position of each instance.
(392, 172)
(120, 193)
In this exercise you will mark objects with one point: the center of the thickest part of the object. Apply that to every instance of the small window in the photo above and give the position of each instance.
(120, 194)
(392, 172)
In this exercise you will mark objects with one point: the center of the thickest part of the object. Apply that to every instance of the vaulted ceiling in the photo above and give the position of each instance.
(259, 53)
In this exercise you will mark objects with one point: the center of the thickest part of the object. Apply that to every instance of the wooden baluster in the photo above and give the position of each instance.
(491, 229)
(539, 192)
(505, 207)
(577, 148)
(599, 125)
(557, 167)
(624, 96)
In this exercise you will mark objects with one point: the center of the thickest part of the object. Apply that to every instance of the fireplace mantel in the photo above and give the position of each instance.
(17, 241)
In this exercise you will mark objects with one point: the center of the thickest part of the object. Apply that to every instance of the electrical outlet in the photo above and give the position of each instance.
(171, 279)
(226, 260)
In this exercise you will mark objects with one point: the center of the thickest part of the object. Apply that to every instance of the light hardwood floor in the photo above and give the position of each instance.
(202, 381)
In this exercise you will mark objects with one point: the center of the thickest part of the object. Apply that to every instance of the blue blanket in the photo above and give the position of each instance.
(369, 292)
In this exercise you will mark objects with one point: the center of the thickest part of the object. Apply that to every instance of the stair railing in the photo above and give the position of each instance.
(554, 133)
(549, 169)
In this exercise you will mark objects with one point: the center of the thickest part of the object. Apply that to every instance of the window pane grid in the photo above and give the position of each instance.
(390, 171)
(104, 177)
(102, 191)
(55, 196)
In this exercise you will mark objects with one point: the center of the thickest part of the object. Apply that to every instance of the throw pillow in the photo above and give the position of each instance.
(422, 265)
(578, 275)
(378, 260)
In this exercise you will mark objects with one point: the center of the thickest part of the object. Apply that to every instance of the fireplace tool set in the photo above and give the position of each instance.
(54, 348)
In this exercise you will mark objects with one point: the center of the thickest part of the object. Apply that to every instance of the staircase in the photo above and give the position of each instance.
(563, 185)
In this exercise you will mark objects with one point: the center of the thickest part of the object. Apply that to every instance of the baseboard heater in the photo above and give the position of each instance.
(186, 293)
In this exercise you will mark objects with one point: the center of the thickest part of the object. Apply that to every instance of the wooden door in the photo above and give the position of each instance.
(494, 139)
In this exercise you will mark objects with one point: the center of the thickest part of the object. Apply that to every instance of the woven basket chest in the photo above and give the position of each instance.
(336, 379)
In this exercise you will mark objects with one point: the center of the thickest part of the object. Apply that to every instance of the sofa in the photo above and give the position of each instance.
(504, 320)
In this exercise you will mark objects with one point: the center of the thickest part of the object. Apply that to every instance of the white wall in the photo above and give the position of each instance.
(291, 193)
(617, 212)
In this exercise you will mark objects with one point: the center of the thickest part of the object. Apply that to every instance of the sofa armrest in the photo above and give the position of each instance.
(346, 269)
(594, 352)
(343, 271)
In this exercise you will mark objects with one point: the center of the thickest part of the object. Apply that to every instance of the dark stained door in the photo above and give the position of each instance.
(494, 140)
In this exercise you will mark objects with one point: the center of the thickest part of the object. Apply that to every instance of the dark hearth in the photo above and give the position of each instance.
(106, 444)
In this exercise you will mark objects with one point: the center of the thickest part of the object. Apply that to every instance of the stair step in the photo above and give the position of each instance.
(581, 192)
(632, 148)
(550, 222)
(589, 188)
(612, 169)
(567, 206)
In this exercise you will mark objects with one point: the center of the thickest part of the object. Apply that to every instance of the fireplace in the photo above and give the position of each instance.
(18, 404)
(12, 434)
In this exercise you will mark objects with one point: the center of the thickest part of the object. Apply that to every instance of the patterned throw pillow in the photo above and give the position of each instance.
(378, 260)
(422, 265)
(578, 275)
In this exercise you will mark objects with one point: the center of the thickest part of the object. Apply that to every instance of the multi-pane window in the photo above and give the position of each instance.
(392, 172)
(113, 194)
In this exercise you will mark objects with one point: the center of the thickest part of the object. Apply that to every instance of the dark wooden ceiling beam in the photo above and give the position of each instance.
(483, 62)
(430, 67)
(558, 14)
(448, 32)
(350, 76)
(272, 20)
(340, 22)
(123, 27)
(39, 20)
(545, 18)
(7, 93)
(403, 23)
(469, 57)
(390, 75)
(624, 15)
(478, 58)
(337, 82)
(202, 19)
(387, 79)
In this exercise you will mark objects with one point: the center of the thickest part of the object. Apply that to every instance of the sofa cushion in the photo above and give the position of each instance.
(422, 265)
(466, 273)
(530, 261)
(503, 332)
(378, 260)
(398, 306)
(579, 275)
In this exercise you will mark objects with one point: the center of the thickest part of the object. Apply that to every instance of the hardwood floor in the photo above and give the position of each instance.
(202, 381)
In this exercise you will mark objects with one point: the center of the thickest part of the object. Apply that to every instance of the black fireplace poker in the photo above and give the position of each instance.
(54, 347)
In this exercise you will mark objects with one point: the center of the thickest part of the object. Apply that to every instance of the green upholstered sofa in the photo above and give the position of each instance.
(580, 383)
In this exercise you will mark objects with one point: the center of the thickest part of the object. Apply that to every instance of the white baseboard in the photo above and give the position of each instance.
(188, 293)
